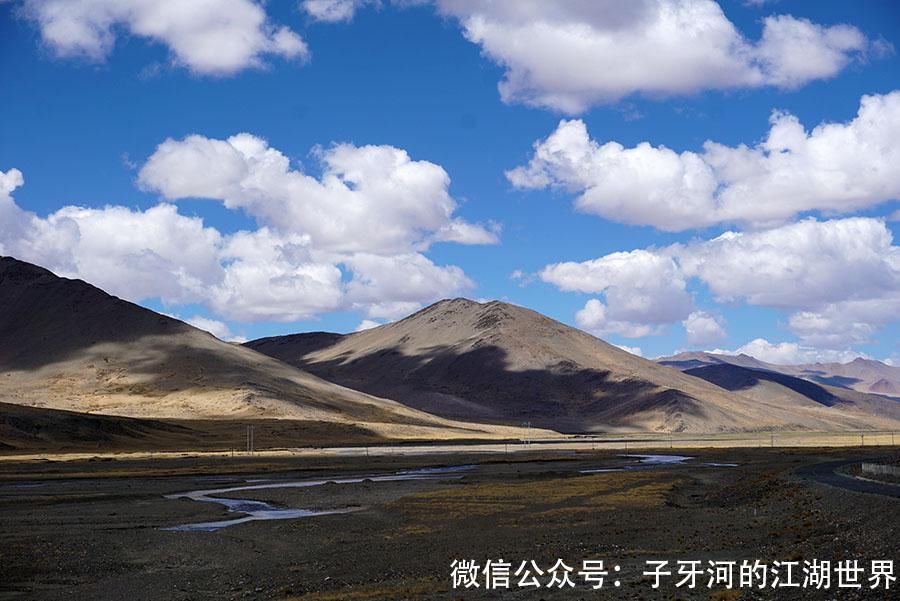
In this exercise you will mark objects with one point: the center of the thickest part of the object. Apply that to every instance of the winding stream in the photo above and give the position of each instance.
(643, 462)
(260, 510)
(252, 510)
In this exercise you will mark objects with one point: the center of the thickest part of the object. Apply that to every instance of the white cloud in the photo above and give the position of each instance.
(211, 37)
(522, 278)
(367, 324)
(373, 209)
(333, 11)
(842, 324)
(462, 232)
(801, 265)
(274, 278)
(634, 350)
(132, 254)
(643, 291)
(579, 54)
(594, 318)
(640, 185)
(296, 271)
(393, 286)
(794, 52)
(790, 353)
(840, 279)
(704, 328)
(368, 198)
(219, 329)
(12, 219)
(835, 168)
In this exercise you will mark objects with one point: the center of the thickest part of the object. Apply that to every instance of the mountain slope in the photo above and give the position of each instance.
(862, 375)
(501, 363)
(65, 344)
(863, 410)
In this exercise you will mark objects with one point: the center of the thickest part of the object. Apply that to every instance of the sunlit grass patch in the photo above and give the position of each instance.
(418, 588)
(541, 498)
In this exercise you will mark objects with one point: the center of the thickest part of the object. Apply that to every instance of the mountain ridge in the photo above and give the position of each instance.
(860, 374)
(67, 345)
(501, 362)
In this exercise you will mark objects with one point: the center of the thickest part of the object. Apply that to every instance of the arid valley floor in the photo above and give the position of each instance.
(96, 529)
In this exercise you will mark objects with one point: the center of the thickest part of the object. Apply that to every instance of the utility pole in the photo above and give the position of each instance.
(250, 439)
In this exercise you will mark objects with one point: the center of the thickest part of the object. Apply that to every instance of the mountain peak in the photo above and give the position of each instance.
(12, 267)
(66, 344)
(497, 362)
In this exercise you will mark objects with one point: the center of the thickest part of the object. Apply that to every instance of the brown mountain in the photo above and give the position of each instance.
(500, 363)
(859, 410)
(862, 375)
(67, 345)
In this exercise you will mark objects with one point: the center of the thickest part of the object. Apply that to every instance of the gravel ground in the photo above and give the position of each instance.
(94, 530)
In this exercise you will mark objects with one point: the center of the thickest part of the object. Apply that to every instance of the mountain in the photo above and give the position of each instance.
(500, 363)
(692, 359)
(863, 410)
(67, 345)
(862, 375)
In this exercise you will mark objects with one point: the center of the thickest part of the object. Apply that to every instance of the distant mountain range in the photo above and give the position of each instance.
(456, 369)
(862, 375)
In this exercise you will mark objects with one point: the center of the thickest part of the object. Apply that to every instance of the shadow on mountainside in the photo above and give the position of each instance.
(735, 378)
(477, 385)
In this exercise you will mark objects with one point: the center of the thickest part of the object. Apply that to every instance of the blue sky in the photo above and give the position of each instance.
(91, 95)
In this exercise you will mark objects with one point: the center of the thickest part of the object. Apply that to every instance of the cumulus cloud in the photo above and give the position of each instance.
(801, 265)
(584, 53)
(796, 51)
(643, 185)
(333, 11)
(407, 280)
(367, 324)
(704, 328)
(270, 277)
(217, 328)
(846, 323)
(155, 253)
(12, 219)
(373, 209)
(210, 37)
(840, 279)
(293, 266)
(634, 350)
(643, 291)
(834, 168)
(367, 199)
(594, 318)
(790, 353)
